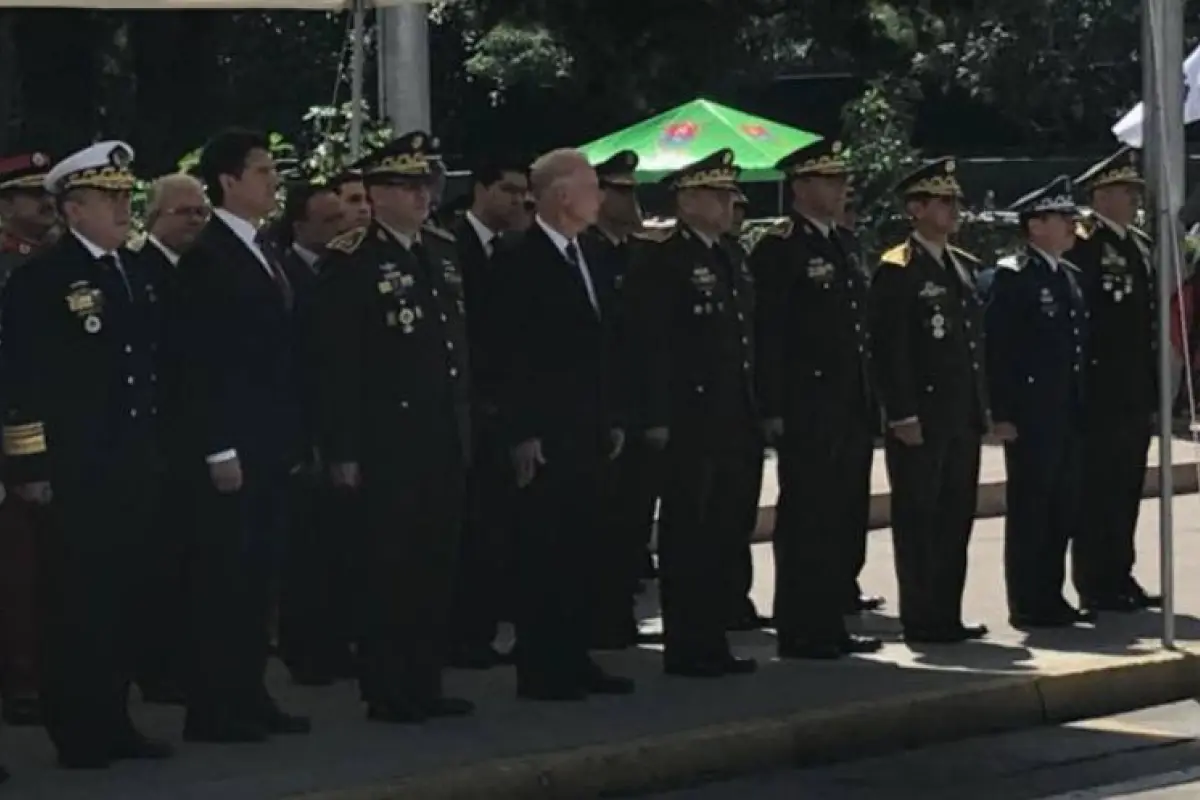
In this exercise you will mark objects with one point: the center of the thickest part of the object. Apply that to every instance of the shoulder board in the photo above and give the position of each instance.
(137, 242)
(898, 256)
(347, 242)
(781, 228)
(1085, 227)
(958, 251)
(1070, 265)
(441, 233)
(1016, 263)
(655, 234)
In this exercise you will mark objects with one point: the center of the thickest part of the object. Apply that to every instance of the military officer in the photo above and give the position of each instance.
(392, 410)
(81, 329)
(1035, 357)
(1117, 279)
(926, 330)
(813, 389)
(27, 217)
(689, 306)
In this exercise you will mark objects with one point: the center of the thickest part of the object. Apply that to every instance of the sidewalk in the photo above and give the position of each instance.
(675, 731)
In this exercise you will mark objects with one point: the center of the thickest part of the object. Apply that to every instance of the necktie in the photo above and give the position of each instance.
(275, 269)
(572, 253)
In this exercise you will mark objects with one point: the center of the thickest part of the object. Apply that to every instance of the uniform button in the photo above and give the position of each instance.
(1095, 362)
(1077, 368)
(740, 317)
(154, 377)
(975, 367)
(929, 389)
(154, 411)
(443, 316)
(453, 372)
(971, 345)
(433, 292)
(857, 328)
(699, 389)
(745, 365)
(449, 345)
(860, 348)
(745, 340)
(967, 324)
(1078, 349)
(854, 304)
(1029, 379)
(129, 379)
(816, 373)
(128, 348)
(133, 412)
(404, 404)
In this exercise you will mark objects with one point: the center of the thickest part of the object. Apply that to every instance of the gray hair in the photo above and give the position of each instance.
(162, 187)
(553, 167)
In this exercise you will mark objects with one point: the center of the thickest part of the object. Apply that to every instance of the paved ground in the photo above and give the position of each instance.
(345, 751)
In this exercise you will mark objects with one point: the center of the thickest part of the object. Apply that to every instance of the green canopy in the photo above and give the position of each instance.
(691, 131)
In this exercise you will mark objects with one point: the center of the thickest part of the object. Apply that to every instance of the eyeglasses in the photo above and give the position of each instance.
(198, 212)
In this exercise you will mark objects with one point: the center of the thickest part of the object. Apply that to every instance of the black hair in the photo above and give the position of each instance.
(225, 154)
(295, 204)
(489, 171)
(341, 179)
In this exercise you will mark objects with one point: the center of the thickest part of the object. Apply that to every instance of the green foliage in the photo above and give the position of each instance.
(326, 138)
(511, 54)
(878, 131)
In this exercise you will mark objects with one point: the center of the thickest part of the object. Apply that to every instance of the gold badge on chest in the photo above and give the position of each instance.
(86, 302)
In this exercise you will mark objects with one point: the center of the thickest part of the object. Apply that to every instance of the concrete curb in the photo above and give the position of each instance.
(848, 732)
(991, 501)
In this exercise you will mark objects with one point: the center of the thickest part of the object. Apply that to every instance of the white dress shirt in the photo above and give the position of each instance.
(562, 243)
(307, 256)
(487, 236)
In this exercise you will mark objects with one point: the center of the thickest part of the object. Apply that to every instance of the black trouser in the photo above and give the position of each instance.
(483, 587)
(91, 558)
(702, 530)
(741, 579)
(823, 476)
(858, 524)
(234, 561)
(934, 491)
(558, 526)
(1114, 474)
(162, 608)
(1043, 500)
(414, 524)
(317, 603)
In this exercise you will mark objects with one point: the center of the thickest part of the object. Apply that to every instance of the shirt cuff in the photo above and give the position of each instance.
(906, 421)
(221, 457)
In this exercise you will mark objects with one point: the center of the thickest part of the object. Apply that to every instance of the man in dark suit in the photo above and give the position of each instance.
(390, 367)
(926, 350)
(814, 390)
(1035, 358)
(1118, 282)
(81, 332)
(483, 587)
(176, 211)
(242, 411)
(556, 407)
(315, 604)
(689, 307)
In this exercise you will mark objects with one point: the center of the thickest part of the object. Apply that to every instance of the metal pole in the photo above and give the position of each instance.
(1162, 27)
(357, 47)
(404, 62)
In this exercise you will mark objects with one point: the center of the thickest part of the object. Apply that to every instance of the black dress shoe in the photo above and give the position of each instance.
(955, 634)
(1120, 604)
(1065, 617)
(83, 760)
(854, 644)
(732, 665)
(550, 693)
(599, 682)
(750, 622)
(613, 640)
(396, 713)
(23, 711)
(816, 651)
(161, 694)
(476, 658)
(137, 747)
(280, 723)
(3, 775)
(450, 707)
(864, 603)
(703, 668)
(223, 729)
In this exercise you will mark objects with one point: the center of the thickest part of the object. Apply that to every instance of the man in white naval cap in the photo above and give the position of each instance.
(80, 336)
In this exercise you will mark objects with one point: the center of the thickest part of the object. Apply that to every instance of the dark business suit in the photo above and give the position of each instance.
(554, 356)
(481, 590)
(236, 339)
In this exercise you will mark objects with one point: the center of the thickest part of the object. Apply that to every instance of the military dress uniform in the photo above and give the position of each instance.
(80, 338)
(18, 600)
(390, 367)
(926, 350)
(1036, 336)
(1116, 276)
(689, 304)
(813, 374)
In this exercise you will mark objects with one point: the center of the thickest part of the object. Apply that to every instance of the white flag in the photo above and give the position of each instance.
(1129, 129)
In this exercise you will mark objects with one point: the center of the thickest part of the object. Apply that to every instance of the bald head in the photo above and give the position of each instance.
(566, 190)
(176, 210)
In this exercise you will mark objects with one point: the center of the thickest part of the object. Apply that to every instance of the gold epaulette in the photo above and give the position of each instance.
(898, 256)
(28, 439)
(441, 233)
(347, 242)
(137, 241)
(960, 253)
(1084, 227)
(655, 234)
(781, 228)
